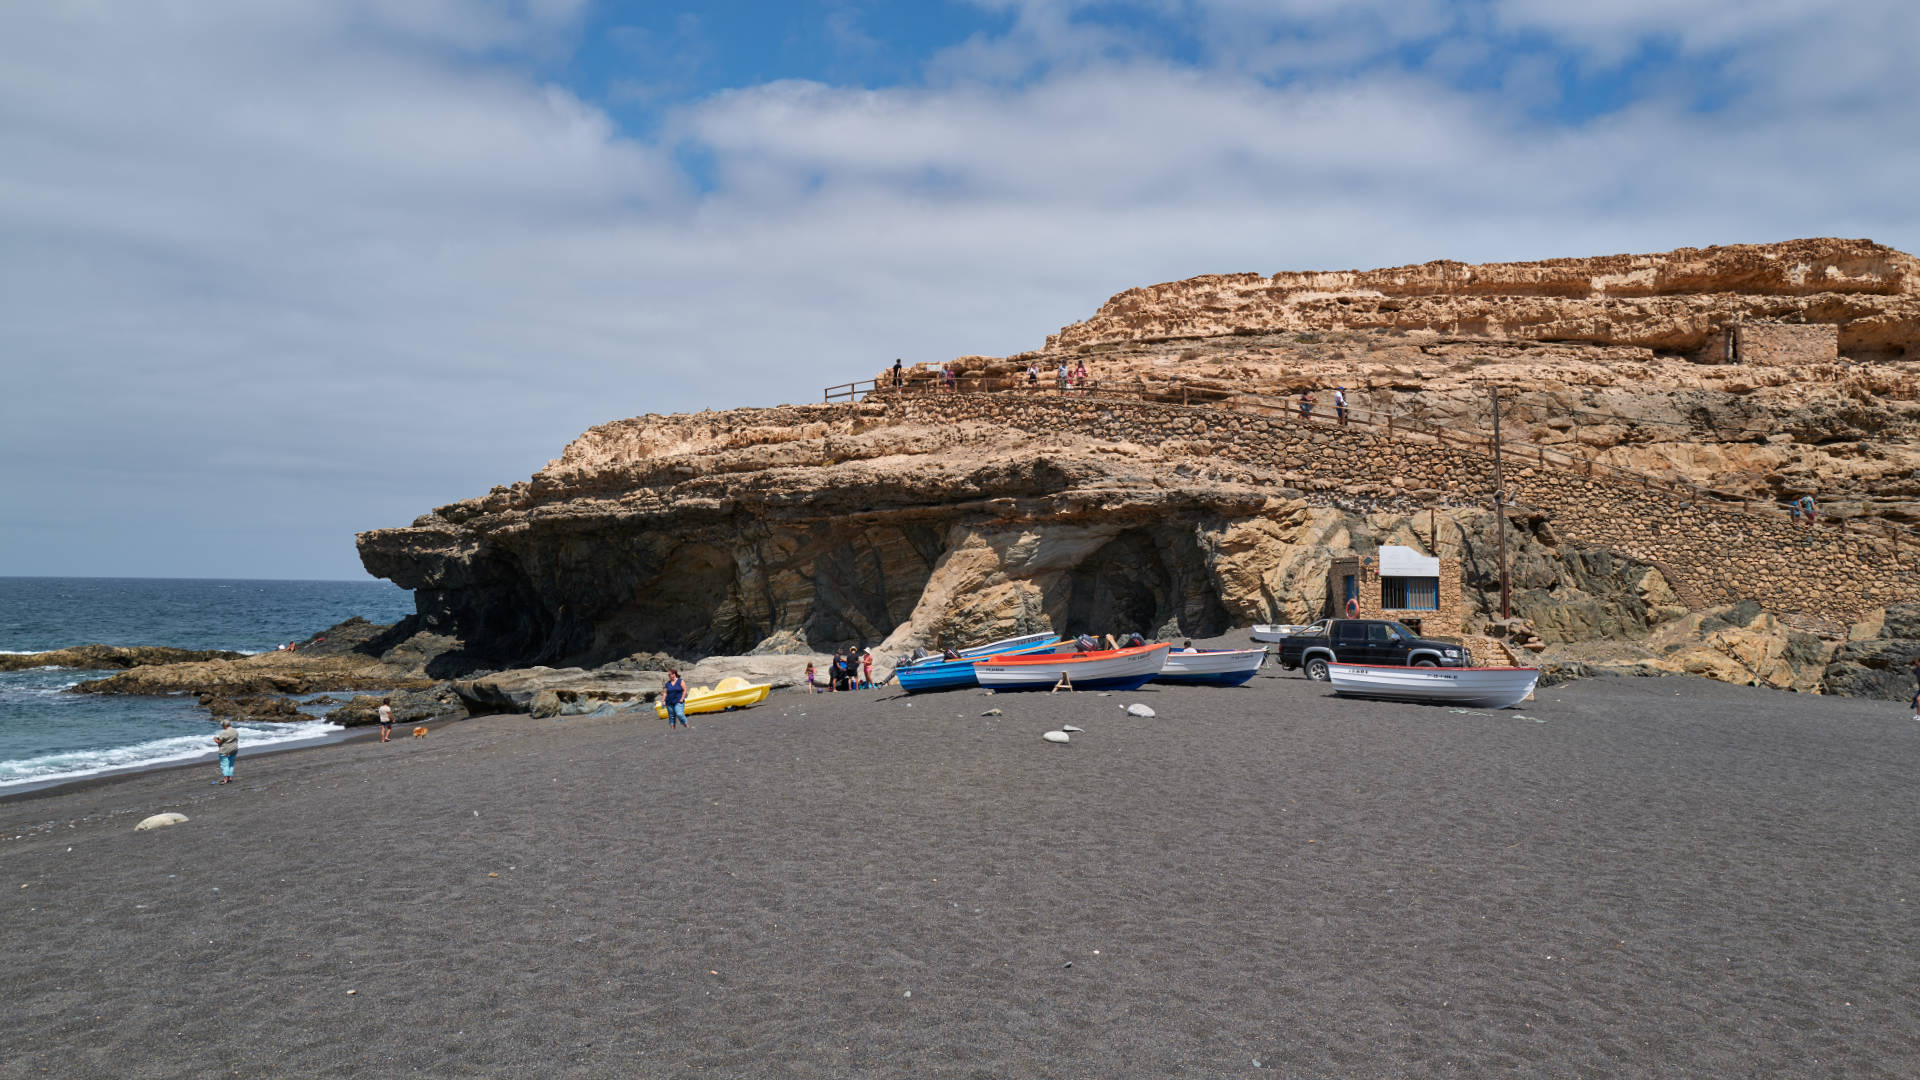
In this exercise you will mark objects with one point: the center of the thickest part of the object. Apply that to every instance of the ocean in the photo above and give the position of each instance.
(48, 736)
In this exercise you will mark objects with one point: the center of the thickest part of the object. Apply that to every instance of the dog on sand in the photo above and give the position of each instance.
(420, 733)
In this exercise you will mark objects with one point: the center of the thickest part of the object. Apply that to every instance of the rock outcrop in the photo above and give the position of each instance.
(1144, 502)
(112, 657)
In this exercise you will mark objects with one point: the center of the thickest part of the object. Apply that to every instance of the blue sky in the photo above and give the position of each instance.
(273, 273)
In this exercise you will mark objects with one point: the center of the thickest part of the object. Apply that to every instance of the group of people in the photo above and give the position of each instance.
(1076, 377)
(850, 669)
(1308, 401)
(1802, 510)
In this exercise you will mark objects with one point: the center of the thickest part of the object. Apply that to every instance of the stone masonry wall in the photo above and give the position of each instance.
(1711, 555)
(1786, 344)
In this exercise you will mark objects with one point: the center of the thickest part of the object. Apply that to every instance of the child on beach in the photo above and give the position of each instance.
(227, 744)
(386, 722)
(812, 688)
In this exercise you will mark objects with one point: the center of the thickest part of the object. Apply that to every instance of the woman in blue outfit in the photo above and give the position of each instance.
(674, 695)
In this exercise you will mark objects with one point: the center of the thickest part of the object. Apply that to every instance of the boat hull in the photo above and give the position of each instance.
(1107, 669)
(1482, 688)
(731, 693)
(1215, 667)
(935, 674)
(1273, 631)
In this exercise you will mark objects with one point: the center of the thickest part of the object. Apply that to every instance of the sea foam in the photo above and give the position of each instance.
(81, 763)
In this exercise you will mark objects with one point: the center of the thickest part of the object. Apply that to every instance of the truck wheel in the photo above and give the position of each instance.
(1317, 670)
(1425, 661)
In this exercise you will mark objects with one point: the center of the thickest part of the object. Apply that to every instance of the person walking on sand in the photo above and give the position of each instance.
(386, 721)
(227, 745)
(674, 695)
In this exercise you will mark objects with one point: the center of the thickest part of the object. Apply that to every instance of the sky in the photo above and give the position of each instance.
(276, 271)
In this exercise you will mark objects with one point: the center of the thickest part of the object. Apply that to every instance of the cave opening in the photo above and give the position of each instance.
(1148, 581)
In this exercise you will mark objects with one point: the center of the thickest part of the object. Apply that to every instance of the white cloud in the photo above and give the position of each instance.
(270, 273)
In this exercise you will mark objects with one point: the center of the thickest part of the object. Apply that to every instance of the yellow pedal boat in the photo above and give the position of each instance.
(729, 693)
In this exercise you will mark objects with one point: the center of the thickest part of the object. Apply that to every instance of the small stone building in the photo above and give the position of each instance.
(1422, 591)
(1770, 344)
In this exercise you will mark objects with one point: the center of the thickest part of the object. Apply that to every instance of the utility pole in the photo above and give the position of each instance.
(1500, 508)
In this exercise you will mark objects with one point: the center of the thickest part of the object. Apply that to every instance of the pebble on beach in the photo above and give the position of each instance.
(159, 821)
(1057, 736)
(1141, 711)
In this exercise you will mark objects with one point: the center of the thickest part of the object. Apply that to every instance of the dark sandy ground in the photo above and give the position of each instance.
(1627, 877)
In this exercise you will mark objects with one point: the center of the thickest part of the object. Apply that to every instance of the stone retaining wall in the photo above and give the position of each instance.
(1711, 554)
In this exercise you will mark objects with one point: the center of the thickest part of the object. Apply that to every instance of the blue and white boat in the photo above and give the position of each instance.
(1211, 667)
(937, 673)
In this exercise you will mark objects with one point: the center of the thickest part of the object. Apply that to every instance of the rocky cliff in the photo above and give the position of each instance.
(1141, 503)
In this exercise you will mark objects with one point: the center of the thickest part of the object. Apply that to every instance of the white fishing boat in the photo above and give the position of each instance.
(1480, 688)
(992, 648)
(1274, 631)
(1211, 667)
(1100, 669)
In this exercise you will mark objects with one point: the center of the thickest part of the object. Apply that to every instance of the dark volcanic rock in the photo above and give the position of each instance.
(251, 707)
(1879, 667)
(111, 657)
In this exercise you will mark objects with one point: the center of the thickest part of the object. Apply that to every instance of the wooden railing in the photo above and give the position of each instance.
(1206, 397)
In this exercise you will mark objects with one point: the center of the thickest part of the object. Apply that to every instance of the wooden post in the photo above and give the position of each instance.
(1500, 509)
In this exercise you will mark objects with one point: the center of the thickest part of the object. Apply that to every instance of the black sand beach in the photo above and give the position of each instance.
(1627, 877)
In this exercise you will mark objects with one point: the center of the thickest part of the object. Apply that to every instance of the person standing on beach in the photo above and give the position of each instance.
(811, 678)
(866, 669)
(674, 695)
(386, 721)
(227, 745)
(1916, 688)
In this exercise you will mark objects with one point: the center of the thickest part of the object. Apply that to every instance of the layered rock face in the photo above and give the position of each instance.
(1624, 358)
(1139, 503)
(1671, 302)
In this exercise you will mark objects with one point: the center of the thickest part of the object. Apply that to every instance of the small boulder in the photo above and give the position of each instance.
(1141, 711)
(1057, 736)
(159, 821)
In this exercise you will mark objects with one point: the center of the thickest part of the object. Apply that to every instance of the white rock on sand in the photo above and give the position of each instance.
(160, 821)
(1141, 711)
(1057, 736)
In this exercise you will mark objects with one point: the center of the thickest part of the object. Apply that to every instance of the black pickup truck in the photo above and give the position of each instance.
(1365, 641)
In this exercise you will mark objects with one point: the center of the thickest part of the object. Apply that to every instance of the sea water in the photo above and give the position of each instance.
(49, 735)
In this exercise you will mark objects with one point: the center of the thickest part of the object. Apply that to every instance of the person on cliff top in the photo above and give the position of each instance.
(1033, 374)
(1062, 374)
(1340, 404)
(899, 376)
(386, 721)
(1080, 374)
(227, 745)
(674, 695)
